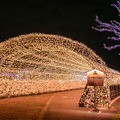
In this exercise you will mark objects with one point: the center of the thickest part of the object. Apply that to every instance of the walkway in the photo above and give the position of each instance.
(64, 106)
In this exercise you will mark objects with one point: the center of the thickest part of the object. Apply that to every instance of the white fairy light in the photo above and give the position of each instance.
(39, 63)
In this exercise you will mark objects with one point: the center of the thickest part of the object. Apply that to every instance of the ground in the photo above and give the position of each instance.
(52, 106)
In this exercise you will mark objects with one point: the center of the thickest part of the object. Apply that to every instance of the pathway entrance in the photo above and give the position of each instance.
(64, 106)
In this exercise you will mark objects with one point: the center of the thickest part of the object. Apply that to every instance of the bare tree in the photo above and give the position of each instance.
(113, 26)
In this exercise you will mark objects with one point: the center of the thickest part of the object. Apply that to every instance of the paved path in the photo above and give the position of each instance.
(64, 106)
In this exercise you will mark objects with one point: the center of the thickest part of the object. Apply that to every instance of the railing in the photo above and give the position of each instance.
(87, 100)
(114, 91)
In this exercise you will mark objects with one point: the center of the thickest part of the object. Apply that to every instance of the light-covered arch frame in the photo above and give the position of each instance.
(44, 63)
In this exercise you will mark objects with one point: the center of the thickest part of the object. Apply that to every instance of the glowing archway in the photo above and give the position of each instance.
(37, 63)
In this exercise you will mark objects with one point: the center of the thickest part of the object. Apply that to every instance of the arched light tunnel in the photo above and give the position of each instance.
(39, 63)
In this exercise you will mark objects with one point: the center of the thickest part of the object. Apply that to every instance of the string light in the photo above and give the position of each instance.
(38, 63)
(113, 27)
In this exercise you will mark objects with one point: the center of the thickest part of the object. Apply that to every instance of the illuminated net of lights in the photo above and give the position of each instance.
(38, 63)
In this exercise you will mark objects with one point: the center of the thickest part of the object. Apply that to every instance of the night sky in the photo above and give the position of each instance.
(69, 18)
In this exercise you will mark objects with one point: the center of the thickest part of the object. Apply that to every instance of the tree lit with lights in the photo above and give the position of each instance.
(113, 27)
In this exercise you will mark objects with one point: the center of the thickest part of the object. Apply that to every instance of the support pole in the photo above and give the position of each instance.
(95, 109)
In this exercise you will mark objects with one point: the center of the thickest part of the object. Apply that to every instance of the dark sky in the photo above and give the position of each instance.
(69, 18)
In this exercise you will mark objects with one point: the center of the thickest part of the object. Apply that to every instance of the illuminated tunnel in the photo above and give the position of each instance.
(38, 63)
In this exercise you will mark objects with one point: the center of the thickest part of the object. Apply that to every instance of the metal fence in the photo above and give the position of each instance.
(114, 91)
